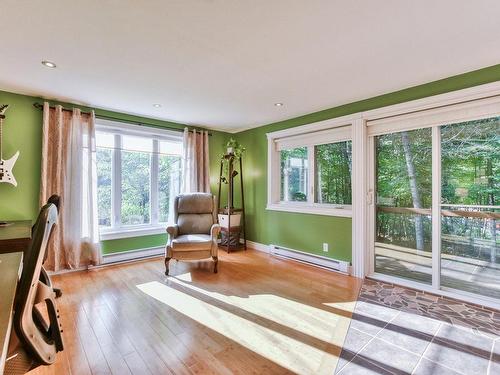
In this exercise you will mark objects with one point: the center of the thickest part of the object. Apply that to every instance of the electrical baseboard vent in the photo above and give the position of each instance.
(127, 256)
(316, 260)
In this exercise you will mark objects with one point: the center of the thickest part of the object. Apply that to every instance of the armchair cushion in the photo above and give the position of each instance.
(201, 243)
(195, 203)
(194, 223)
(192, 238)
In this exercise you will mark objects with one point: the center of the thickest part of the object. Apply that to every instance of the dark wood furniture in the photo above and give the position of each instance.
(10, 271)
(15, 236)
(231, 234)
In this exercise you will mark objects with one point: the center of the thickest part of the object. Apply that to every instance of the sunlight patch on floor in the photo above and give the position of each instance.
(318, 323)
(345, 307)
(185, 277)
(289, 353)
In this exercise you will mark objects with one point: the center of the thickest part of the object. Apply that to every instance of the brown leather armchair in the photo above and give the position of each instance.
(194, 234)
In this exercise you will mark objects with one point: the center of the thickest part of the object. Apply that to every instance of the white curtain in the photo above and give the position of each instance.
(69, 170)
(195, 168)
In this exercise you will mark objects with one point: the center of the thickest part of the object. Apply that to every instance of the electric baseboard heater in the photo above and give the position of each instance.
(317, 260)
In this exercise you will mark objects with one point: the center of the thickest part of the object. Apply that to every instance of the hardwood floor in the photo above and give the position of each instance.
(258, 315)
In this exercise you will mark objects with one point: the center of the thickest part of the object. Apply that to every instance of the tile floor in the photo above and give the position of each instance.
(396, 330)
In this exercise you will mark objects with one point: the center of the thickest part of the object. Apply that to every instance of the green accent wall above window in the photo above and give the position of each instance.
(308, 232)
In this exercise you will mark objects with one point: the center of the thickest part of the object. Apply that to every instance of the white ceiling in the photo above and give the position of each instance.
(224, 63)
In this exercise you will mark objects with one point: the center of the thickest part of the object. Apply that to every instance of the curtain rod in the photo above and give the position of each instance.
(104, 117)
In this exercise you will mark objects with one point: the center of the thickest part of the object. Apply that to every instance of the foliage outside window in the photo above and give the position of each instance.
(136, 157)
(404, 180)
(333, 173)
(104, 157)
(137, 178)
(169, 180)
(470, 181)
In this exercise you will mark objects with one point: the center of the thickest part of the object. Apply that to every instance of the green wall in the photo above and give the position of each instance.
(305, 231)
(23, 132)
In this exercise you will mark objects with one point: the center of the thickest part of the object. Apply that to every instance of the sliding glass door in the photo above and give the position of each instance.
(436, 209)
(470, 210)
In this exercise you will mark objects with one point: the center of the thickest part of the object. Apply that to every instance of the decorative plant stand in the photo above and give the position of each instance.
(231, 220)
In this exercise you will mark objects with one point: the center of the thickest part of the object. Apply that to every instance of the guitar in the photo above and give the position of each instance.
(6, 165)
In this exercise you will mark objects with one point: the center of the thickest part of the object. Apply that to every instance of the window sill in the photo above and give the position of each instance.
(314, 209)
(114, 234)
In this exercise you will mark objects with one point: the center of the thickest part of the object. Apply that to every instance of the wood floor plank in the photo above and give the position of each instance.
(141, 338)
(136, 364)
(132, 319)
(108, 346)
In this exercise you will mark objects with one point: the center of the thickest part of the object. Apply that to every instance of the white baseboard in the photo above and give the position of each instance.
(258, 246)
(60, 272)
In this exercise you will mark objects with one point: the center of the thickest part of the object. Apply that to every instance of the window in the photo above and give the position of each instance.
(169, 177)
(310, 171)
(136, 155)
(104, 157)
(294, 175)
(138, 175)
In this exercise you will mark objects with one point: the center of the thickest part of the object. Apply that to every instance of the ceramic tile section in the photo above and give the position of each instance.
(397, 330)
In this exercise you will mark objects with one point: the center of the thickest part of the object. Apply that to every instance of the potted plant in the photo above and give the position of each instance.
(234, 151)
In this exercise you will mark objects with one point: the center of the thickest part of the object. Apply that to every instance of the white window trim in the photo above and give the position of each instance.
(311, 208)
(138, 130)
(117, 231)
(329, 131)
(431, 118)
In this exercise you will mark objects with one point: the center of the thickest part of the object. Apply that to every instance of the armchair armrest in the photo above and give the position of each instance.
(173, 230)
(214, 231)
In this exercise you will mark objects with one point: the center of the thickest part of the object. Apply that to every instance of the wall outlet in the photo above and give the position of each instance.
(325, 247)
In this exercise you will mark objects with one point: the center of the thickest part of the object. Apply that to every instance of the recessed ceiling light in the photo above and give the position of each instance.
(157, 105)
(48, 64)
(278, 104)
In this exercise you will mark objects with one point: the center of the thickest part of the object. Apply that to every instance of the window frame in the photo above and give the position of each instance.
(118, 129)
(310, 135)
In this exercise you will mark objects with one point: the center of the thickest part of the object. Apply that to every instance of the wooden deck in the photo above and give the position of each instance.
(466, 274)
